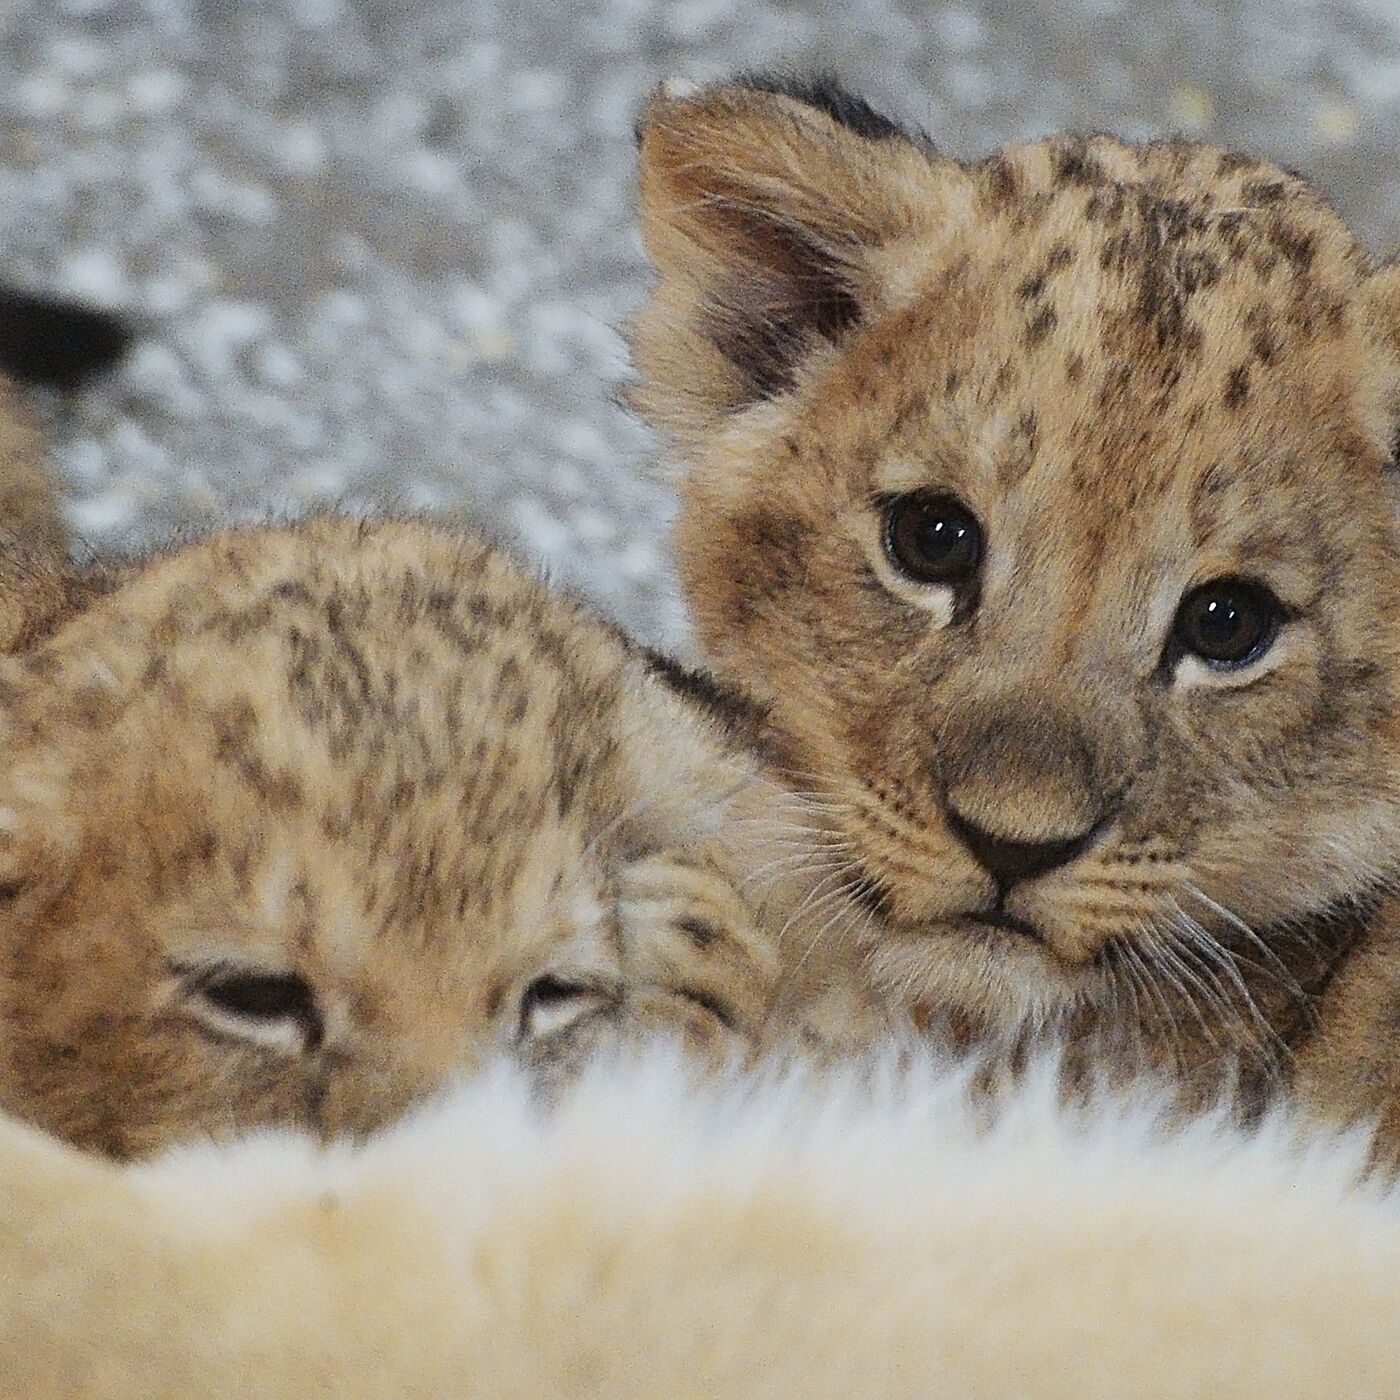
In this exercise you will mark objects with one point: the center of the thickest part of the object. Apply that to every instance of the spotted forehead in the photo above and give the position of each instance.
(1133, 313)
(1152, 255)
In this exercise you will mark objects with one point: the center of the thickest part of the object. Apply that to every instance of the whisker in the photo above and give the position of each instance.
(1205, 946)
(844, 908)
(1281, 971)
(797, 863)
(1141, 974)
(816, 897)
(1180, 976)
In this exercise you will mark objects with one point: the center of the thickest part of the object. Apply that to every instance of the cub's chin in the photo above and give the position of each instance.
(997, 972)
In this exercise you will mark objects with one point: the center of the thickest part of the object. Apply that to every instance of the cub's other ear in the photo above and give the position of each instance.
(770, 207)
(40, 589)
(40, 814)
(60, 343)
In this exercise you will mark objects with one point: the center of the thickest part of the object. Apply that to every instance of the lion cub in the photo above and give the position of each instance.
(1047, 504)
(297, 824)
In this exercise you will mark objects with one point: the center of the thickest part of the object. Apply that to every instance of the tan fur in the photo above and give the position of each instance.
(379, 758)
(28, 502)
(652, 1239)
(36, 583)
(1141, 368)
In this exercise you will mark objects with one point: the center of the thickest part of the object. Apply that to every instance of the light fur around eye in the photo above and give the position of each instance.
(1192, 673)
(553, 1004)
(938, 600)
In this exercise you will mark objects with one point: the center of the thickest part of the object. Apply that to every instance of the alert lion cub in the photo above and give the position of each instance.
(1047, 503)
(298, 824)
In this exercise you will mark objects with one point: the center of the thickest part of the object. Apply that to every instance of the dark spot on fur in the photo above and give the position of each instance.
(1002, 182)
(1117, 251)
(289, 590)
(1041, 326)
(1262, 191)
(699, 931)
(1114, 385)
(1234, 163)
(1298, 247)
(708, 1002)
(1072, 163)
(1106, 204)
(1196, 271)
(1237, 386)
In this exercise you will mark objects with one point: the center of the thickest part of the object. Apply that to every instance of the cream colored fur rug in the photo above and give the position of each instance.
(773, 1238)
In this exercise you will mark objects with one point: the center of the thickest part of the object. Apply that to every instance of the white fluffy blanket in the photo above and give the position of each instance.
(780, 1237)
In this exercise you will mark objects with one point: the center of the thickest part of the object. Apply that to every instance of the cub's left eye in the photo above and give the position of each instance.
(932, 539)
(1228, 623)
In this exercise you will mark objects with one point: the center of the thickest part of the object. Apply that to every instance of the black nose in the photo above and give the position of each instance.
(1009, 861)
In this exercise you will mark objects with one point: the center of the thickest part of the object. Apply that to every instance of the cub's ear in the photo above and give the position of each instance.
(61, 705)
(770, 208)
(60, 343)
(40, 591)
(40, 815)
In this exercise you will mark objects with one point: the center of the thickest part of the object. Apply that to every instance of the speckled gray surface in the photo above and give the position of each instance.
(380, 247)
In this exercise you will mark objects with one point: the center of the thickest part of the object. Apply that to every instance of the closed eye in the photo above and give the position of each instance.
(273, 1008)
(553, 1004)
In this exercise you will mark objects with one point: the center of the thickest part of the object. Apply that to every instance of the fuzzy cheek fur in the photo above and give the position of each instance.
(1140, 370)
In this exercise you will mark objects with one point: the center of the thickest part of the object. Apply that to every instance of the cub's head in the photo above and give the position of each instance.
(1045, 501)
(298, 824)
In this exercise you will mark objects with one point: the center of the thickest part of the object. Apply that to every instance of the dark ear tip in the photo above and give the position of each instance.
(62, 344)
(824, 91)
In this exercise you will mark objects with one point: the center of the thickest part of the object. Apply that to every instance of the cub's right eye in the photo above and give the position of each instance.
(932, 539)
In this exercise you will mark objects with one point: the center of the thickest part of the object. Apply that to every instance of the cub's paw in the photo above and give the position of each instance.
(679, 956)
(696, 964)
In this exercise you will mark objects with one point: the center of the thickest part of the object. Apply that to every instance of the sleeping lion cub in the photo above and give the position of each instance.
(1047, 503)
(298, 824)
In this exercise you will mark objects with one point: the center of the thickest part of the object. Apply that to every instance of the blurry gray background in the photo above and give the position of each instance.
(380, 248)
